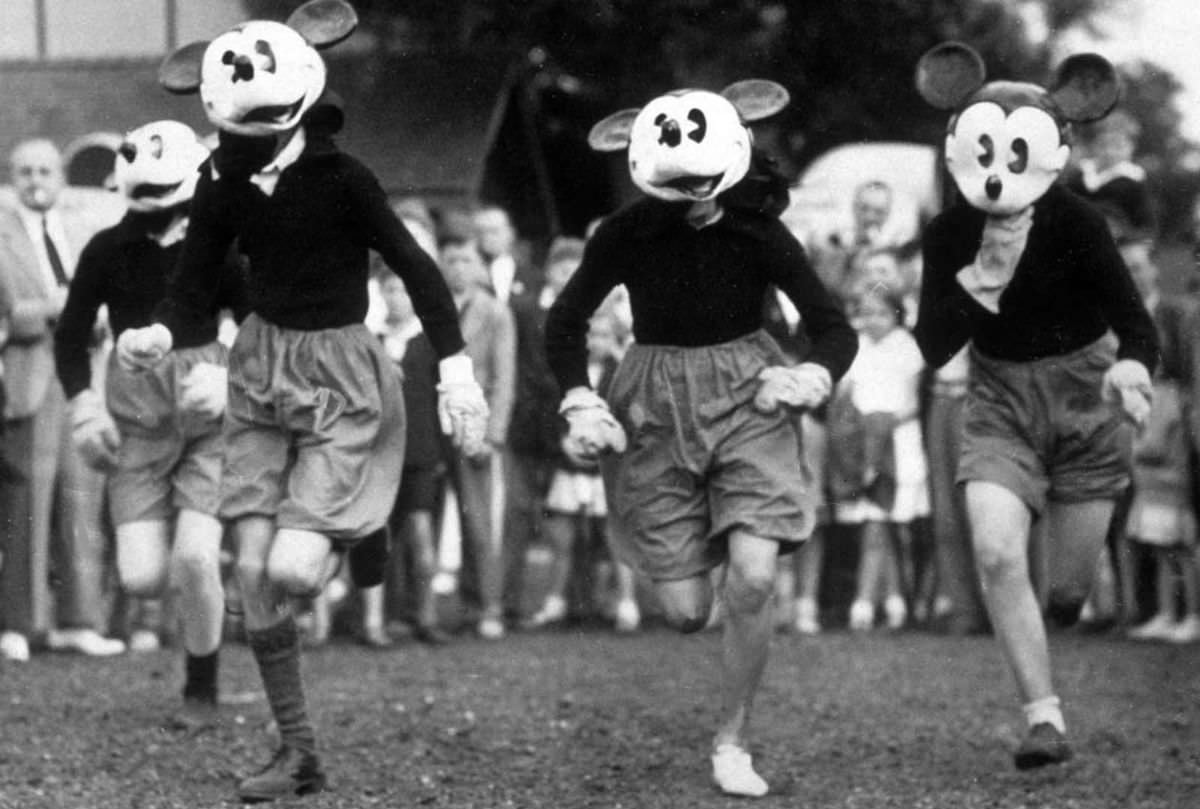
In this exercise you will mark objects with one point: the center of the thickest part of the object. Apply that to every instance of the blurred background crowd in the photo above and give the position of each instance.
(475, 115)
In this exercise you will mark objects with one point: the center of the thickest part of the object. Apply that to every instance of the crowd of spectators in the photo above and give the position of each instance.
(516, 535)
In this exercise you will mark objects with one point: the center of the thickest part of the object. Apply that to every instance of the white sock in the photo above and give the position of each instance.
(1046, 709)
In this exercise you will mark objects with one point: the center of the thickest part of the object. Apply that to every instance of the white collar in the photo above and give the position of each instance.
(1093, 178)
(267, 177)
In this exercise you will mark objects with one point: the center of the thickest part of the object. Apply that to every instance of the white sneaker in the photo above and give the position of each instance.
(553, 611)
(628, 617)
(143, 640)
(86, 641)
(895, 612)
(1186, 631)
(14, 646)
(491, 629)
(1157, 628)
(734, 772)
(444, 583)
(806, 622)
(862, 616)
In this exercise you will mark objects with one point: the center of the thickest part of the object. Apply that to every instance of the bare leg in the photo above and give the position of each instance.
(418, 528)
(196, 574)
(871, 563)
(559, 530)
(1077, 532)
(143, 549)
(1000, 525)
(746, 636)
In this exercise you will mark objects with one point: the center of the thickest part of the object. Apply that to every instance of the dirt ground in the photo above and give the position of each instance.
(589, 719)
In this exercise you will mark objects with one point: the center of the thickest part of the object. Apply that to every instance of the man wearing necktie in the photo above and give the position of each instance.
(55, 511)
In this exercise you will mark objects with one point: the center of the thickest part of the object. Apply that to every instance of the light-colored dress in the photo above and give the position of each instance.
(885, 378)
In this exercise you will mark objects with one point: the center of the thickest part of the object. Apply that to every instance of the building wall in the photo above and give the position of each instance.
(103, 30)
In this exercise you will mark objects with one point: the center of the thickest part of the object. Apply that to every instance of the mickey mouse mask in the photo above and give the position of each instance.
(260, 77)
(690, 145)
(157, 165)
(1005, 145)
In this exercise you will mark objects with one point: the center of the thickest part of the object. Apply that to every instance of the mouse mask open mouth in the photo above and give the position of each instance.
(157, 165)
(690, 145)
(260, 77)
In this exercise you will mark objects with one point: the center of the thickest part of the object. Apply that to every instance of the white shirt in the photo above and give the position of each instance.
(32, 220)
(503, 270)
(885, 375)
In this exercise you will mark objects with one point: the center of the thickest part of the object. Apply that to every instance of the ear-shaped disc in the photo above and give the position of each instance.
(180, 72)
(756, 99)
(1086, 87)
(612, 133)
(948, 73)
(324, 22)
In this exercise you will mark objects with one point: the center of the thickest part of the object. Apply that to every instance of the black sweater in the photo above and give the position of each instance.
(690, 287)
(1070, 286)
(307, 245)
(123, 268)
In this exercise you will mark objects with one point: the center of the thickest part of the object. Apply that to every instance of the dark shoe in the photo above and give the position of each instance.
(430, 635)
(369, 558)
(195, 716)
(1043, 745)
(290, 772)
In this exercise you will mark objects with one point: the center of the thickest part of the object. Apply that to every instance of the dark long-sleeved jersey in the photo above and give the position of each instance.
(693, 287)
(1069, 287)
(307, 245)
(124, 269)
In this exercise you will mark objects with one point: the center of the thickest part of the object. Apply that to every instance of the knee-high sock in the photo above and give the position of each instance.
(277, 650)
(200, 681)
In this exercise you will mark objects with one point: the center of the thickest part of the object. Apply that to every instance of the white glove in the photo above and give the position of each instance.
(93, 432)
(462, 410)
(802, 386)
(1127, 383)
(592, 429)
(204, 390)
(1000, 250)
(142, 349)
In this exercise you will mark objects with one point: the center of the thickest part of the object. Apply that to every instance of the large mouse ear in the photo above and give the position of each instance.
(1086, 87)
(180, 72)
(612, 134)
(324, 23)
(948, 73)
(756, 99)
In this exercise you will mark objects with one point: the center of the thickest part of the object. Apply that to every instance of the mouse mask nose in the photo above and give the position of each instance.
(670, 134)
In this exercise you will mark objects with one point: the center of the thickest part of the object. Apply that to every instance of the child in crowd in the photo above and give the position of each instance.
(1162, 516)
(798, 583)
(576, 512)
(487, 327)
(533, 432)
(412, 522)
(884, 486)
(1109, 178)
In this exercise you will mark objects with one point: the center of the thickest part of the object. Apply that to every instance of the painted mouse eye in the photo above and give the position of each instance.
(263, 48)
(1020, 150)
(697, 117)
(156, 146)
(987, 151)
